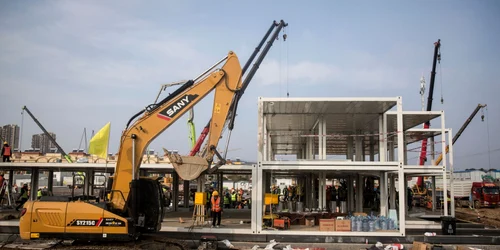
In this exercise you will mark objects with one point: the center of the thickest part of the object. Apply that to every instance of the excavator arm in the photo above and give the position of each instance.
(226, 82)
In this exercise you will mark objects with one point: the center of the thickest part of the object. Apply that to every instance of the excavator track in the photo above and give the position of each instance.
(152, 242)
(149, 242)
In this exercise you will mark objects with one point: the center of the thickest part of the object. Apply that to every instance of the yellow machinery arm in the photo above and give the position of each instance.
(226, 81)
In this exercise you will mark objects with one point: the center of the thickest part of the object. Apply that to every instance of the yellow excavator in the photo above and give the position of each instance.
(136, 204)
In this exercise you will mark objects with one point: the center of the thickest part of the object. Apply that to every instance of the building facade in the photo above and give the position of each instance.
(43, 143)
(10, 134)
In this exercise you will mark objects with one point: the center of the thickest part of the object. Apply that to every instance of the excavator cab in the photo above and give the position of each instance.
(148, 208)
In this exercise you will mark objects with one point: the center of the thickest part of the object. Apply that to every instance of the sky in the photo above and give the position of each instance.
(81, 64)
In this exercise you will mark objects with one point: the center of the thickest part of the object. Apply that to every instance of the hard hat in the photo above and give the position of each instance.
(5, 142)
(215, 193)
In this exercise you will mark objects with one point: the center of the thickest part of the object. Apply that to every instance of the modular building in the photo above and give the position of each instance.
(360, 145)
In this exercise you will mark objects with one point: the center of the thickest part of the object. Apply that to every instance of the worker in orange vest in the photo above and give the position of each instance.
(216, 208)
(6, 152)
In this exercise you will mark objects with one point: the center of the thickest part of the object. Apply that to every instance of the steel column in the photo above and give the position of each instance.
(186, 194)
(405, 148)
(443, 149)
(383, 193)
(261, 133)
(265, 138)
(11, 181)
(359, 193)
(307, 191)
(433, 193)
(382, 138)
(323, 142)
(350, 148)
(452, 188)
(401, 176)
(175, 190)
(35, 174)
(321, 137)
(372, 148)
(392, 192)
(259, 199)
(254, 198)
(50, 181)
(350, 194)
(359, 149)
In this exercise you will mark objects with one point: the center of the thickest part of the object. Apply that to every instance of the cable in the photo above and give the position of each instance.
(279, 67)
(441, 81)
(285, 35)
(488, 135)
(21, 134)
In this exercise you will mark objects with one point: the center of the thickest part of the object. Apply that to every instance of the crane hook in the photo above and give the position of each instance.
(284, 37)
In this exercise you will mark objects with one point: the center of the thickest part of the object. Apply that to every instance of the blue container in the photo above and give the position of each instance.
(359, 223)
(383, 224)
(371, 226)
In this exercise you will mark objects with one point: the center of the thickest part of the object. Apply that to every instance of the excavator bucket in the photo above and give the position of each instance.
(188, 167)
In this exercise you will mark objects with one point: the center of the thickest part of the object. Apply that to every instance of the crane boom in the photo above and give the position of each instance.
(423, 151)
(274, 26)
(66, 156)
(461, 130)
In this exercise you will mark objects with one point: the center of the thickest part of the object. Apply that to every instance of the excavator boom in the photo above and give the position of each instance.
(135, 139)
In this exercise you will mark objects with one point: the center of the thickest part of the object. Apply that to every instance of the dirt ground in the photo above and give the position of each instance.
(488, 216)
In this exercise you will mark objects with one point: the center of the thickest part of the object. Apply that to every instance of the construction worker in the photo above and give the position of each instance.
(6, 152)
(227, 200)
(233, 199)
(209, 196)
(409, 198)
(39, 194)
(239, 199)
(216, 209)
(23, 196)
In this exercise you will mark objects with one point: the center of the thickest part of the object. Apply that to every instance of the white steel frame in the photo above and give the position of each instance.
(385, 165)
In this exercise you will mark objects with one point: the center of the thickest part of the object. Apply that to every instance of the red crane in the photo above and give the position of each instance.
(423, 152)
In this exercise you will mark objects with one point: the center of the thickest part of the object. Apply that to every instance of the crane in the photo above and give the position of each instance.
(423, 151)
(136, 203)
(66, 156)
(461, 130)
(248, 78)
